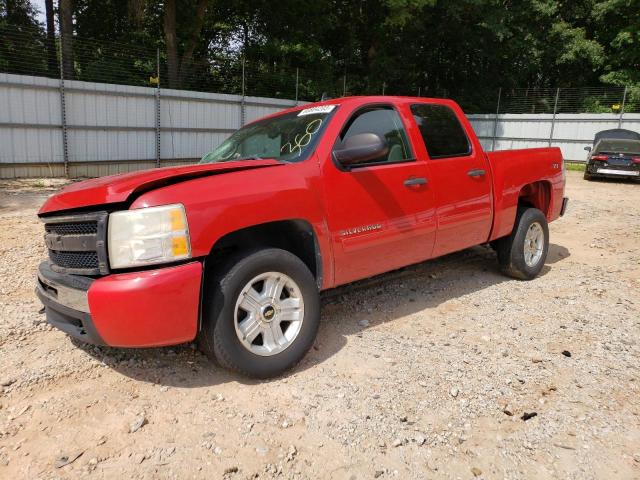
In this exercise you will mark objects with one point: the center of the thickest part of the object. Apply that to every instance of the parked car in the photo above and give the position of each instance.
(615, 154)
(233, 252)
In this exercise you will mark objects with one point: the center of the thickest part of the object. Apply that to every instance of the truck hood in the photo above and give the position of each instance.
(122, 187)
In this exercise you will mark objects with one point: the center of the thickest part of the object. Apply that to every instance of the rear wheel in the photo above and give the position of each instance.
(262, 313)
(587, 176)
(522, 254)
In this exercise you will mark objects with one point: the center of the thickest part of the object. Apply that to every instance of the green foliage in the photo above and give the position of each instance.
(617, 26)
(464, 48)
(574, 167)
(22, 39)
(401, 12)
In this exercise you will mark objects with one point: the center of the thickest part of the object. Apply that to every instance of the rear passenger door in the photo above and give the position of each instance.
(459, 176)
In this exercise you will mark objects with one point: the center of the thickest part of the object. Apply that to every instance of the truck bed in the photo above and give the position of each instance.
(512, 170)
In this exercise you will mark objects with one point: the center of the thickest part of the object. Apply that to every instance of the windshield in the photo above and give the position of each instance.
(289, 137)
(618, 146)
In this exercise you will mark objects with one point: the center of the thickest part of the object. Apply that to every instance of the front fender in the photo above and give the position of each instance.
(222, 204)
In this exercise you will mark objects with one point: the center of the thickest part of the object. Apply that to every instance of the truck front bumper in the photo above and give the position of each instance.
(149, 308)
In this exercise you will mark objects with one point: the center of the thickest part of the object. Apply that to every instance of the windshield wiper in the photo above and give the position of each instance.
(239, 159)
(250, 157)
(256, 157)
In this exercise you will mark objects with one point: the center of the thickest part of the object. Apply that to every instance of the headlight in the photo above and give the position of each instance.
(148, 236)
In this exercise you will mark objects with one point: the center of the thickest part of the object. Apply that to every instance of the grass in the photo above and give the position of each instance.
(575, 167)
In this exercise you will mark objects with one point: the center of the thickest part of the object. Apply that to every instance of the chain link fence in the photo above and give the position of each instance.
(32, 53)
(179, 125)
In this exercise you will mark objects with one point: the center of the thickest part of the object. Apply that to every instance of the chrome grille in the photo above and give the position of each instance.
(77, 244)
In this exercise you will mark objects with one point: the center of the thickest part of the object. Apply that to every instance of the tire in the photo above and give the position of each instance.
(513, 259)
(587, 177)
(268, 354)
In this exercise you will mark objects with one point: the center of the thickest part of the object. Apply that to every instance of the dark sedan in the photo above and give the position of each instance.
(615, 154)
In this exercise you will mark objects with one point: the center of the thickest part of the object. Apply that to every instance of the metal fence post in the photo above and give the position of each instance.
(242, 105)
(624, 100)
(384, 84)
(297, 78)
(158, 108)
(553, 119)
(495, 122)
(344, 84)
(63, 114)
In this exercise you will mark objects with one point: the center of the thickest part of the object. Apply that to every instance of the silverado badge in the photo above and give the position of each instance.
(356, 230)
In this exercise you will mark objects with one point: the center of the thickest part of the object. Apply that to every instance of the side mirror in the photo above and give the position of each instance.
(587, 149)
(361, 148)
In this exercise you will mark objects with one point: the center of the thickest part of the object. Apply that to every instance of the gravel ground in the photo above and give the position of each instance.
(429, 372)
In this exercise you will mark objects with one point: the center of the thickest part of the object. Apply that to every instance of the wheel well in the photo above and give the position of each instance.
(537, 195)
(295, 236)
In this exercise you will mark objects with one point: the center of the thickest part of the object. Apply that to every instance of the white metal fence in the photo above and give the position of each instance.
(54, 128)
(569, 131)
(92, 129)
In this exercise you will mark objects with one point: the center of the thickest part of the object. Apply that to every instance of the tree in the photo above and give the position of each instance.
(617, 27)
(66, 38)
(466, 49)
(22, 42)
(185, 39)
(52, 61)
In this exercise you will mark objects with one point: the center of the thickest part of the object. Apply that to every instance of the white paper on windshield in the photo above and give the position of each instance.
(315, 110)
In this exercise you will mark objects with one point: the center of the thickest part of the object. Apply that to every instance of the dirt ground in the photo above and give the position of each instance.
(422, 373)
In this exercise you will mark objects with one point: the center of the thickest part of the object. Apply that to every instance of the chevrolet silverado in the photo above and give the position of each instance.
(234, 251)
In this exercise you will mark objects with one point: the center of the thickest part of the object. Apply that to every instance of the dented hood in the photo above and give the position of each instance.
(120, 188)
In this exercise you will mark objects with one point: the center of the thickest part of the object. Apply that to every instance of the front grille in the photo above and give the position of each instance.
(68, 228)
(77, 243)
(75, 260)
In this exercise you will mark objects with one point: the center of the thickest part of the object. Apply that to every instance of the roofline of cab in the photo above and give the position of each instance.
(358, 101)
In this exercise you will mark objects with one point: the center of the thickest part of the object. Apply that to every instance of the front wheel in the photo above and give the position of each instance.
(522, 254)
(262, 313)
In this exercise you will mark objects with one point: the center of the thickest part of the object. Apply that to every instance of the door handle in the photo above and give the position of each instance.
(413, 181)
(476, 172)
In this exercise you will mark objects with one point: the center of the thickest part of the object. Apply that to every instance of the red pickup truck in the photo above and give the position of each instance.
(234, 251)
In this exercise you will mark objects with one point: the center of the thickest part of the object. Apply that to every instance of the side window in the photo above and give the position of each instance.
(385, 122)
(441, 131)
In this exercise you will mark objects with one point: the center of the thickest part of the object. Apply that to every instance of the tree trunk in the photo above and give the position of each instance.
(136, 10)
(178, 67)
(66, 34)
(171, 41)
(245, 39)
(52, 61)
(187, 57)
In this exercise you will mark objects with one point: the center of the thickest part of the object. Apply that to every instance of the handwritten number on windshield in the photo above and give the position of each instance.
(301, 141)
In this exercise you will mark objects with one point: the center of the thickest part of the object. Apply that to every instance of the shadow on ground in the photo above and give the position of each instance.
(413, 289)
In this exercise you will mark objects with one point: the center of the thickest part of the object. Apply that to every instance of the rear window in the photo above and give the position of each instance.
(441, 131)
(618, 146)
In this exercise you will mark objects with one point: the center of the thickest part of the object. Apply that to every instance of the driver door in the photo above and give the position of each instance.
(381, 213)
